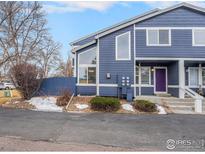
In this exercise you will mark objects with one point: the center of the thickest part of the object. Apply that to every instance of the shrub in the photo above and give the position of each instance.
(27, 78)
(107, 104)
(145, 106)
(64, 98)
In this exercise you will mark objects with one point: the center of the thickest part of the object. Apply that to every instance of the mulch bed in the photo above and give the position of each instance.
(80, 100)
(86, 99)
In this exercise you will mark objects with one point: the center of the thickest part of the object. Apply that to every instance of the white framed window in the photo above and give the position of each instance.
(193, 76)
(158, 37)
(87, 67)
(145, 76)
(198, 37)
(123, 46)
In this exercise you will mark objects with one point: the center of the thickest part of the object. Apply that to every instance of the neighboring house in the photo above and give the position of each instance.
(161, 51)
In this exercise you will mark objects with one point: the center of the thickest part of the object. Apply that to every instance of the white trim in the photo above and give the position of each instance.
(108, 85)
(135, 64)
(180, 28)
(158, 44)
(74, 49)
(164, 67)
(152, 86)
(146, 85)
(74, 70)
(173, 86)
(97, 67)
(140, 90)
(181, 77)
(84, 85)
(129, 46)
(167, 58)
(193, 37)
(149, 75)
(86, 66)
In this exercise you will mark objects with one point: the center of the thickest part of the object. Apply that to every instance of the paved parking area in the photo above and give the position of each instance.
(118, 131)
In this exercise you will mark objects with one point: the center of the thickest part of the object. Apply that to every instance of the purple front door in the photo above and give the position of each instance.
(160, 80)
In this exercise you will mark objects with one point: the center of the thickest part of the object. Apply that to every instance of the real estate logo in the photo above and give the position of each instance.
(185, 143)
(171, 144)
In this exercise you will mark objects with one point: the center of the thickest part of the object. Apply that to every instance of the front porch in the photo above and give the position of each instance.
(177, 78)
(169, 77)
(157, 78)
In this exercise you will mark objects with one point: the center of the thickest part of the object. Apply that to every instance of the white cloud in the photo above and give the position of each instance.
(164, 4)
(77, 6)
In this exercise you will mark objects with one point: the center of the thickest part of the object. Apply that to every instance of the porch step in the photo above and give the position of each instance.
(180, 106)
(175, 103)
(184, 112)
(163, 95)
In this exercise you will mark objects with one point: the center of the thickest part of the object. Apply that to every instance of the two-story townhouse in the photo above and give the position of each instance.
(161, 51)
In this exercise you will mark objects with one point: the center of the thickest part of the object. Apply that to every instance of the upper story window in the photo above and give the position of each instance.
(158, 37)
(198, 37)
(87, 67)
(122, 46)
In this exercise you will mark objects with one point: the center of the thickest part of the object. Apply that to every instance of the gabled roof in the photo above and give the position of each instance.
(116, 25)
(137, 19)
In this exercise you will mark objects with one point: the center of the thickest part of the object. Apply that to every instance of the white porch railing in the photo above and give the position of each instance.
(198, 99)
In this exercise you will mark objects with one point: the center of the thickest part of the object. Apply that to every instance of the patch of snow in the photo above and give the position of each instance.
(81, 106)
(160, 109)
(16, 102)
(47, 104)
(128, 107)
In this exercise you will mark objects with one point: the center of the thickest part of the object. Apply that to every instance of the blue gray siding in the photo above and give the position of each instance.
(86, 90)
(107, 62)
(181, 46)
(181, 17)
(108, 91)
(174, 91)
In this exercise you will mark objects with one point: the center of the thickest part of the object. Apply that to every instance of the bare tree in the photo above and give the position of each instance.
(49, 56)
(65, 68)
(22, 30)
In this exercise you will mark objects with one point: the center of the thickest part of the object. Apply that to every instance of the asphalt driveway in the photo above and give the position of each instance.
(136, 132)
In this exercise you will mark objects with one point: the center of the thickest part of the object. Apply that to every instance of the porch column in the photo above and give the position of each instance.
(181, 78)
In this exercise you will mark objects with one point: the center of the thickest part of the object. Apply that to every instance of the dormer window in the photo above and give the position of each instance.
(158, 37)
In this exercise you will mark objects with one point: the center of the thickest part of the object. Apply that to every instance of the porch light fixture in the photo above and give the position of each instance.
(108, 76)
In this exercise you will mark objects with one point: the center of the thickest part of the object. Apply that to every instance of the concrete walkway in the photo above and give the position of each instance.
(102, 131)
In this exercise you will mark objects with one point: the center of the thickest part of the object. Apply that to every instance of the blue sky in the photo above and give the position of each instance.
(69, 21)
